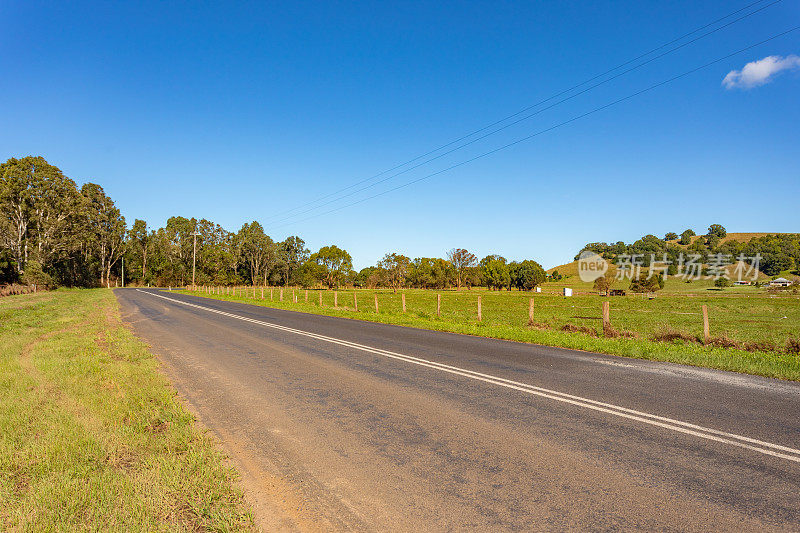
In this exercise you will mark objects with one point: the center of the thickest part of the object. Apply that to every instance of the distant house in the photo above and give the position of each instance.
(742, 282)
(780, 282)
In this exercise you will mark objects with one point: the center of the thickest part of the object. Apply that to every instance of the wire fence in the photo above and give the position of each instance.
(765, 321)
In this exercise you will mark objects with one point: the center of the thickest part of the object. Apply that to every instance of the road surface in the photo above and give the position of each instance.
(339, 424)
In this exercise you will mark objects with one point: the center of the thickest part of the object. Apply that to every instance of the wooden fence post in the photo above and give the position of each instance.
(355, 300)
(294, 296)
(438, 305)
(320, 298)
(706, 327)
(262, 293)
(530, 312)
(306, 295)
(403, 297)
(335, 299)
(607, 319)
(376, 302)
(480, 315)
(281, 294)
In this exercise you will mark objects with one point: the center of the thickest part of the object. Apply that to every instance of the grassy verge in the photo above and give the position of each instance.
(92, 437)
(505, 317)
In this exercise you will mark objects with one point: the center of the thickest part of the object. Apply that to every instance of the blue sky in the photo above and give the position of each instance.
(240, 112)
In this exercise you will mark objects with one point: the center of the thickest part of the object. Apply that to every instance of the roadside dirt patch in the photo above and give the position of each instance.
(572, 328)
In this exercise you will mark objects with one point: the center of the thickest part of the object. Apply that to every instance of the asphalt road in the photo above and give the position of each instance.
(339, 424)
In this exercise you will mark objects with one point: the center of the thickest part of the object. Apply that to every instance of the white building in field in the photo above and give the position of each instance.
(780, 282)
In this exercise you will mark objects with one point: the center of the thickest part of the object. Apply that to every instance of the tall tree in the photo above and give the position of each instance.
(105, 229)
(140, 240)
(57, 215)
(336, 264)
(397, 267)
(256, 249)
(495, 272)
(294, 253)
(527, 275)
(17, 194)
(462, 260)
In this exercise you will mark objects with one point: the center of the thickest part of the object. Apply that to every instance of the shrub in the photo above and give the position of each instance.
(34, 275)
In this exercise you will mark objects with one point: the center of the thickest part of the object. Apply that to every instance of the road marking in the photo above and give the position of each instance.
(767, 448)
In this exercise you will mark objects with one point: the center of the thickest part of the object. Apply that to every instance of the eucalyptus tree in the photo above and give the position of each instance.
(105, 229)
(397, 267)
(140, 243)
(257, 250)
(39, 206)
(462, 261)
(293, 253)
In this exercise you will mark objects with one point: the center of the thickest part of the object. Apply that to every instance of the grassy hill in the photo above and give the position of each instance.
(571, 279)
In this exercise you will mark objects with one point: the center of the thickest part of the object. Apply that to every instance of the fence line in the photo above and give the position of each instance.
(604, 318)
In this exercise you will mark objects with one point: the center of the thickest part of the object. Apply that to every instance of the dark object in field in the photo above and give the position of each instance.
(793, 346)
(617, 292)
(724, 342)
(760, 346)
(571, 328)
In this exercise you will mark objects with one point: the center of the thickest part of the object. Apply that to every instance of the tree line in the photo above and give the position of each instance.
(54, 233)
(778, 252)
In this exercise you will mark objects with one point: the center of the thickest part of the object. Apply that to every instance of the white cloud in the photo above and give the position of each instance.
(760, 72)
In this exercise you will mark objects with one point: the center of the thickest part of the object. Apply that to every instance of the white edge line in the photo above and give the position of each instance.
(655, 420)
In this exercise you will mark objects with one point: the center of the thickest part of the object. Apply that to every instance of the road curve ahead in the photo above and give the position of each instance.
(340, 424)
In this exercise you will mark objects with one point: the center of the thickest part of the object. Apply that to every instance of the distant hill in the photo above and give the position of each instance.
(571, 268)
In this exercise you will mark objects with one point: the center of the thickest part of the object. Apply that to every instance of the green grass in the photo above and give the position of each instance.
(92, 436)
(754, 317)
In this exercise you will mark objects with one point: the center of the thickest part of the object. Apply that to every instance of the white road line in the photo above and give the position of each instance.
(775, 450)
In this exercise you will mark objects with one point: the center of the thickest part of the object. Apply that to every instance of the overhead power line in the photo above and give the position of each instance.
(524, 110)
(549, 129)
(506, 126)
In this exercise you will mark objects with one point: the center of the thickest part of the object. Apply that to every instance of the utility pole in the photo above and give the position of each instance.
(123, 271)
(194, 257)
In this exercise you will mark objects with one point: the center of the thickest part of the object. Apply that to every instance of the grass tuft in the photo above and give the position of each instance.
(793, 346)
(586, 330)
